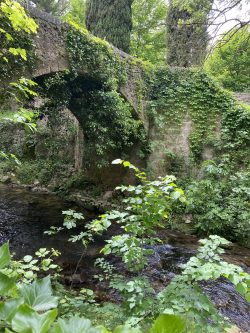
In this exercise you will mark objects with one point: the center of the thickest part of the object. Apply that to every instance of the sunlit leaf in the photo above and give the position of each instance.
(168, 324)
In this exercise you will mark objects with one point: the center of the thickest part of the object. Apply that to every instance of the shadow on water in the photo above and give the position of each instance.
(25, 215)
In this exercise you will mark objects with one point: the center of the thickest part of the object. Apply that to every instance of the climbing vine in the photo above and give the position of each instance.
(90, 89)
(179, 94)
(93, 55)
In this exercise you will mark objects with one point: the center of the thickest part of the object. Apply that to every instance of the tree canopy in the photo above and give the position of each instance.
(230, 61)
(149, 32)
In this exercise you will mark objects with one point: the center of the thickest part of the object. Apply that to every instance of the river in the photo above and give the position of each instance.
(25, 215)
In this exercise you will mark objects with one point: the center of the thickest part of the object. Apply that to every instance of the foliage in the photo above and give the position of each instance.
(71, 218)
(111, 117)
(32, 305)
(42, 170)
(148, 33)
(147, 206)
(229, 62)
(219, 202)
(179, 94)
(76, 12)
(183, 296)
(182, 305)
(33, 308)
(15, 25)
(219, 124)
(18, 18)
(22, 117)
(108, 121)
(235, 135)
(27, 269)
(110, 20)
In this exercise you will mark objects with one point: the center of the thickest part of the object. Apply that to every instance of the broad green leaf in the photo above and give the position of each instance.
(4, 255)
(9, 308)
(6, 284)
(26, 320)
(38, 295)
(76, 325)
(241, 288)
(168, 324)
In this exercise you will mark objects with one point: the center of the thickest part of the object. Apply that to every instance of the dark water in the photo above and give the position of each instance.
(25, 215)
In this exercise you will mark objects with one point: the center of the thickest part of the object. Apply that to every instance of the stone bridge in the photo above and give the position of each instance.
(52, 56)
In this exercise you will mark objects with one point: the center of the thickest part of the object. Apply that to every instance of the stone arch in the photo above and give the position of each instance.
(50, 45)
(79, 87)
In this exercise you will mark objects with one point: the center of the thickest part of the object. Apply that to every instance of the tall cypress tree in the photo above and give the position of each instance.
(187, 35)
(110, 20)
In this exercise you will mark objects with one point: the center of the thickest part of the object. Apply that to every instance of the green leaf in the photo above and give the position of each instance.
(9, 308)
(241, 288)
(76, 325)
(38, 295)
(26, 320)
(168, 324)
(4, 255)
(27, 259)
(18, 51)
(6, 284)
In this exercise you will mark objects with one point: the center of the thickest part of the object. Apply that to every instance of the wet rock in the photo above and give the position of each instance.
(107, 195)
(6, 180)
(39, 189)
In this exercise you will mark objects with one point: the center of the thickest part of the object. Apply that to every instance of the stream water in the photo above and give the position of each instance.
(25, 215)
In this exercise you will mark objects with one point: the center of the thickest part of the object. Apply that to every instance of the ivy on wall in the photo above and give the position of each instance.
(90, 89)
(236, 135)
(177, 93)
(93, 55)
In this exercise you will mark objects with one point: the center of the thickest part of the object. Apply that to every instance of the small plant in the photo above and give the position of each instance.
(184, 296)
(27, 269)
(32, 308)
(71, 218)
(147, 206)
(219, 202)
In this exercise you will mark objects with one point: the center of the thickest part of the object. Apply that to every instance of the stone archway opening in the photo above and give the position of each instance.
(78, 113)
